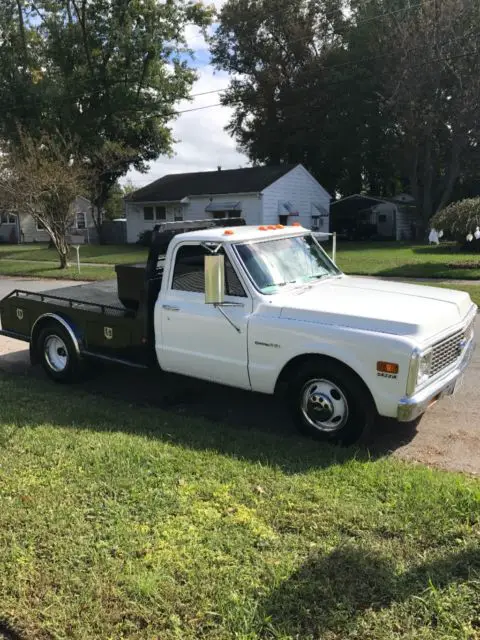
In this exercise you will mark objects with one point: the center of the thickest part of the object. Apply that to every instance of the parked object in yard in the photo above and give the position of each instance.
(263, 309)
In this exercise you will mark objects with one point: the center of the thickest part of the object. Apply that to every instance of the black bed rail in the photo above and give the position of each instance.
(46, 297)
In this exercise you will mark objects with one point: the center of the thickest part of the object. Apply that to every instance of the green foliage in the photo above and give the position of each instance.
(376, 96)
(459, 219)
(103, 74)
(128, 522)
(145, 238)
(114, 206)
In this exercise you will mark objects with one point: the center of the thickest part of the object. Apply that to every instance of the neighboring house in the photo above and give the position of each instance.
(30, 231)
(385, 217)
(260, 195)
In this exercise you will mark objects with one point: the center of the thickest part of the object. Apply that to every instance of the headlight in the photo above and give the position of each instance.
(419, 371)
(424, 368)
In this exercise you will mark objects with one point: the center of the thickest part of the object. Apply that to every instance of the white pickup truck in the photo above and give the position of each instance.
(263, 309)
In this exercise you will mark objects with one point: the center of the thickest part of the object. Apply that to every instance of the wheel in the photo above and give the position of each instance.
(58, 355)
(330, 403)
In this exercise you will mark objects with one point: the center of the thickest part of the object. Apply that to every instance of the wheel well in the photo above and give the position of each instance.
(45, 321)
(294, 364)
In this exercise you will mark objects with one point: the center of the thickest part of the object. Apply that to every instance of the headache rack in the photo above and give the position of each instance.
(70, 303)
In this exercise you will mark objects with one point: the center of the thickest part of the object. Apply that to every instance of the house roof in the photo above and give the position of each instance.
(175, 187)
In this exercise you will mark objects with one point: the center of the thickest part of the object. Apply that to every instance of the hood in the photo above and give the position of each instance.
(384, 306)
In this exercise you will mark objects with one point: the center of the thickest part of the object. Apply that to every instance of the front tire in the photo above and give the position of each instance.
(329, 403)
(58, 355)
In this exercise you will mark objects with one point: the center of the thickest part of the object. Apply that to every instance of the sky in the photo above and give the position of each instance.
(201, 144)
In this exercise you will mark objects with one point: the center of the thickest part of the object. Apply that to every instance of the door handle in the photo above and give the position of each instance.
(169, 307)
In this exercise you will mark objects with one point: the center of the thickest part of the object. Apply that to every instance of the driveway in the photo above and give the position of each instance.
(448, 435)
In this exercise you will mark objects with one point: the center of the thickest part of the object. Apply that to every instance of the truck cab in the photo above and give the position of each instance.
(265, 309)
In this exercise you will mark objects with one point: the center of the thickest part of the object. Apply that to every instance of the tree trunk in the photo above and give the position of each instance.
(63, 250)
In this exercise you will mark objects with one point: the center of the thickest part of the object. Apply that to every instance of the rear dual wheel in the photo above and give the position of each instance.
(58, 355)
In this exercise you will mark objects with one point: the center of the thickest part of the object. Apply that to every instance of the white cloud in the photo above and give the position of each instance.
(201, 141)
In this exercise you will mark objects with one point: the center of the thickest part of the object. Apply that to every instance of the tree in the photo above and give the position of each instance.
(431, 92)
(105, 74)
(371, 95)
(461, 220)
(114, 207)
(42, 179)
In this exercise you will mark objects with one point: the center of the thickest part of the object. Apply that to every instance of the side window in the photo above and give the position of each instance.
(189, 274)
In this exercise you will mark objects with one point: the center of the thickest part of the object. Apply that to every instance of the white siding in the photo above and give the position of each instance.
(300, 188)
(136, 223)
(405, 219)
(195, 210)
(251, 206)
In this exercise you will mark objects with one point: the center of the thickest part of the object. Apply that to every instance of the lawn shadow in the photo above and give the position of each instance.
(431, 270)
(195, 414)
(329, 592)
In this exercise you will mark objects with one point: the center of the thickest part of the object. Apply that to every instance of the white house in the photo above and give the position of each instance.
(26, 229)
(260, 195)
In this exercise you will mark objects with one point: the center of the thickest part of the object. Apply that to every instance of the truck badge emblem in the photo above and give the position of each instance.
(108, 332)
(20, 314)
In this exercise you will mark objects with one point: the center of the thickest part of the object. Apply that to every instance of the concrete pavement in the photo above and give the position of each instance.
(448, 435)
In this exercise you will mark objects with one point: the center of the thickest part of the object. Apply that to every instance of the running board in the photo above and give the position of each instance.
(126, 363)
(15, 335)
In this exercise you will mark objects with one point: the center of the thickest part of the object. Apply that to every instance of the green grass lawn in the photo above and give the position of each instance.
(101, 254)
(403, 260)
(37, 270)
(123, 522)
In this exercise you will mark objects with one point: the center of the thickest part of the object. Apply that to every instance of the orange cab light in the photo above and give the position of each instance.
(271, 226)
(296, 224)
(279, 226)
(387, 367)
(228, 232)
(262, 228)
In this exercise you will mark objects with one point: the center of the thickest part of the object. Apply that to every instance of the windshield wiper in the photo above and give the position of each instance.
(319, 276)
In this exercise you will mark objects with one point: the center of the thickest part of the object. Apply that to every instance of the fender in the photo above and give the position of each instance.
(65, 322)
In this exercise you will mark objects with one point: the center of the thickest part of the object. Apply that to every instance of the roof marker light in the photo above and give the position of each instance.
(228, 232)
(262, 228)
(296, 224)
(271, 226)
(279, 226)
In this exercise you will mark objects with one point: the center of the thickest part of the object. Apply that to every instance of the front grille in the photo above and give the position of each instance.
(446, 352)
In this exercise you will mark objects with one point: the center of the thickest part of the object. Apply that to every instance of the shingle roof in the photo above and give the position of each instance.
(174, 187)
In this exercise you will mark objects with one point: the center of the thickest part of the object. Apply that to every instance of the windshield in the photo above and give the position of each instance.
(276, 263)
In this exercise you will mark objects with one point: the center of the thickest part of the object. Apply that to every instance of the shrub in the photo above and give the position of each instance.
(458, 220)
(145, 238)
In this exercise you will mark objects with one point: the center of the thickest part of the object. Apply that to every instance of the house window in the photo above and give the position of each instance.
(148, 213)
(218, 215)
(161, 213)
(81, 220)
(7, 218)
(177, 214)
(39, 225)
(382, 217)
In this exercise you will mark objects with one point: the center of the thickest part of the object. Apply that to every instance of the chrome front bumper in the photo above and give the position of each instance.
(410, 408)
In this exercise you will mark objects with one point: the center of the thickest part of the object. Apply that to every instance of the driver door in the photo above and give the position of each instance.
(195, 339)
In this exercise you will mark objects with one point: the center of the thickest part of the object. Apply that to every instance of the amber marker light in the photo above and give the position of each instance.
(387, 367)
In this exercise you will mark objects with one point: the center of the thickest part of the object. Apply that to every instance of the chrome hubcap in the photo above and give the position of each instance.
(56, 353)
(324, 405)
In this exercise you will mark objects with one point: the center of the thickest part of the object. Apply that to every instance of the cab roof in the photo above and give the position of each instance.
(247, 233)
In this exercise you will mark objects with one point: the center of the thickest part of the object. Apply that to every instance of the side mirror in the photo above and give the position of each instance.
(214, 279)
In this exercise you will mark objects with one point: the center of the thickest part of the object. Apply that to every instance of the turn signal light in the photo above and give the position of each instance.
(387, 367)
